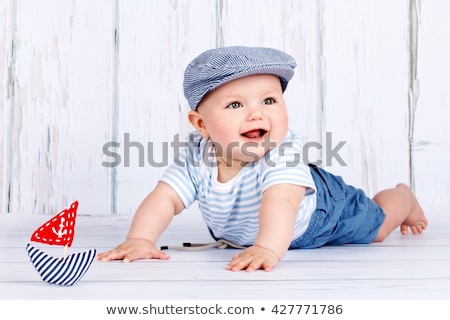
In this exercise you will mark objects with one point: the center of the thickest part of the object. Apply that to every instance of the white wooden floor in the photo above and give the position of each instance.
(403, 267)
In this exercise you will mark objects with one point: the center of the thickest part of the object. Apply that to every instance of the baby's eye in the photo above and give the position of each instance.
(235, 105)
(268, 101)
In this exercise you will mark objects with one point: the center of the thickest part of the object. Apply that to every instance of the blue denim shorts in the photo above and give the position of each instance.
(343, 214)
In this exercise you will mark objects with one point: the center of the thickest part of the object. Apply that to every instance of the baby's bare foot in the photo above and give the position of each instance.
(416, 220)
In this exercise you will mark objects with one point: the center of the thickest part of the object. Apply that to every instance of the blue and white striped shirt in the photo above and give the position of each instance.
(231, 209)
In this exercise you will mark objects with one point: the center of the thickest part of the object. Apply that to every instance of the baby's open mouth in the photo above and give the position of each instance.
(254, 134)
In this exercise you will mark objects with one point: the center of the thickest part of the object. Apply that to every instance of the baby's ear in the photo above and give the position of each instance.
(196, 119)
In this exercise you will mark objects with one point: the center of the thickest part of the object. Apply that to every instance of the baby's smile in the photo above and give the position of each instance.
(254, 134)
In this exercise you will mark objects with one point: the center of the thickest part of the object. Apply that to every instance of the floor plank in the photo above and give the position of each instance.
(402, 267)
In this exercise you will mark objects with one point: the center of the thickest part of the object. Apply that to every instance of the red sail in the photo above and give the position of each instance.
(60, 229)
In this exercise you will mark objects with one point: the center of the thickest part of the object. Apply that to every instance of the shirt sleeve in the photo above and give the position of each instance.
(284, 164)
(183, 174)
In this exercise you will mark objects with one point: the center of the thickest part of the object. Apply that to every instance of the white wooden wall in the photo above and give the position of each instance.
(77, 74)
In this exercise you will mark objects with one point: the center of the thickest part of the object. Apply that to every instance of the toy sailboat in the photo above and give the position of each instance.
(60, 231)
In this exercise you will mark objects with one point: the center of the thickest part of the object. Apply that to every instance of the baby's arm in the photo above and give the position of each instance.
(151, 219)
(279, 207)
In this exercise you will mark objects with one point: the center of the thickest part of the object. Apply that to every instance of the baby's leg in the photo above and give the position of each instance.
(402, 209)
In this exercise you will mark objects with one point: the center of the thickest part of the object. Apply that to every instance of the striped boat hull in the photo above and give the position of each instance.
(61, 271)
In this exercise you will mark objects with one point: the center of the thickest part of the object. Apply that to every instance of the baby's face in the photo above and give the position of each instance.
(246, 117)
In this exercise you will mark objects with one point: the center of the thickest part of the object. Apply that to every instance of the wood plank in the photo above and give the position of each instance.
(203, 277)
(157, 41)
(62, 98)
(290, 26)
(431, 116)
(6, 69)
(107, 232)
(411, 251)
(365, 91)
(170, 271)
(408, 289)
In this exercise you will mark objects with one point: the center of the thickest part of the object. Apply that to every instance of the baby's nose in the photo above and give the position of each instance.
(255, 113)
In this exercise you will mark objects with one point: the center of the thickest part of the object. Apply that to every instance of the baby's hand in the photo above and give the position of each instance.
(254, 258)
(133, 249)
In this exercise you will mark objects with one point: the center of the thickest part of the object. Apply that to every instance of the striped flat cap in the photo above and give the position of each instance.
(216, 67)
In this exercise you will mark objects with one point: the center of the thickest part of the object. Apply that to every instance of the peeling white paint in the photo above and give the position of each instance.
(430, 139)
(77, 74)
